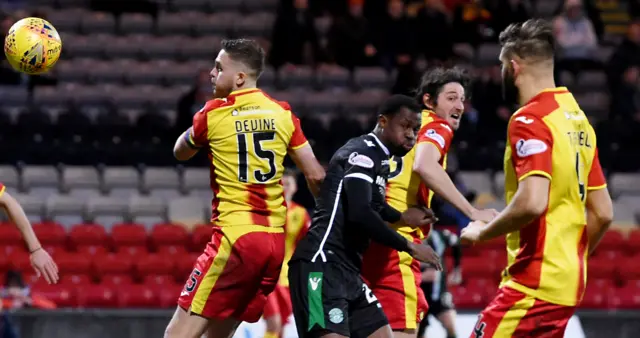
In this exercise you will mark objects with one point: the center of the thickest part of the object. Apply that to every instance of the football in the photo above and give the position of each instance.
(32, 46)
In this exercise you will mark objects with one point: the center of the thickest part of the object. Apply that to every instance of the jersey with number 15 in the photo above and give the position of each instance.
(550, 136)
(247, 136)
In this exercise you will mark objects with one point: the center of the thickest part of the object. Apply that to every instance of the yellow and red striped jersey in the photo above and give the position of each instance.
(405, 188)
(550, 136)
(247, 136)
(298, 222)
(2, 188)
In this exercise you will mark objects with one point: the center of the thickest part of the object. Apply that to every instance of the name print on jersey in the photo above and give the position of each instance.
(253, 125)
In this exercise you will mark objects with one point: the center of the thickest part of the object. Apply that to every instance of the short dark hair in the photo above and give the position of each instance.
(247, 51)
(394, 104)
(434, 80)
(531, 40)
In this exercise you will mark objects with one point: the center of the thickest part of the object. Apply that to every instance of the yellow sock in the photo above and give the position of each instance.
(271, 335)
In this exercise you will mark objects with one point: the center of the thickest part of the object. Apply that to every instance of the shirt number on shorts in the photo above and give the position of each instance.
(260, 152)
(193, 280)
(369, 294)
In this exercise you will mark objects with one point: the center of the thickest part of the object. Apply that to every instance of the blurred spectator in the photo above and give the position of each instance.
(576, 39)
(472, 22)
(350, 40)
(626, 55)
(625, 103)
(592, 12)
(394, 37)
(295, 40)
(507, 12)
(433, 32)
(15, 293)
(193, 100)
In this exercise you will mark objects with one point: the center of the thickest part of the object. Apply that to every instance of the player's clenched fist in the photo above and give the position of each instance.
(418, 216)
(471, 233)
(425, 254)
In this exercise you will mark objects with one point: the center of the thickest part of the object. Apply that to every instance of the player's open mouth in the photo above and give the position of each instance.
(455, 116)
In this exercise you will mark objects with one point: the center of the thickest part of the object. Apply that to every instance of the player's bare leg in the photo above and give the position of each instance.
(184, 325)
(448, 321)
(411, 333)
(222, 328)
(274, 326)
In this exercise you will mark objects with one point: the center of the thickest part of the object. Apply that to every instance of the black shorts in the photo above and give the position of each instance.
(442, 303)
(328, 298)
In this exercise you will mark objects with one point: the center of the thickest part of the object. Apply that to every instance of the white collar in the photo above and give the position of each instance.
(386, 151)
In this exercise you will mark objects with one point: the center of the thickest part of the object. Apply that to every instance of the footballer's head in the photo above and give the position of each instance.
(238, 66)
(289, 184)
(526, 55)
(443, 91)
(398, 124)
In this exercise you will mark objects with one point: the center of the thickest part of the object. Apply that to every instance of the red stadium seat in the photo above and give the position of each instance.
(117, 279)
(69, 279)
(469, 299)
(595, 299)
(627, 297)
(161, 280)
(184, 265)
(628, 268)
(632, 244)
(96, 296)
(167, 295)
(137, 296)
(20, 261)
(113, 264)
(72, 263)
(88, 234)
(611, 241)
(129, 234)
(487, 286)
(31, 278)
(5, 264)
(600, 268)
(92, 250)
(201, 236)
(55, 249)
(8, 250)
(61, 295)
(50, 233)
(155, 264)
(10, 235)
(479, 267)
(171, 249)
(133, 250)
(169, 234)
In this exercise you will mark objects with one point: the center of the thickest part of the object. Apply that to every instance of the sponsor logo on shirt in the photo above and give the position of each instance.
(360, 160)
(432, 134)
(524, 120)
(369, 143)
(381, 181)
(530, 147)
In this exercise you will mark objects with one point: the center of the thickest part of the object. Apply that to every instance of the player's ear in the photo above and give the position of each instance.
(241, 78)
(427, 101)
(382, 121)
(515, 67)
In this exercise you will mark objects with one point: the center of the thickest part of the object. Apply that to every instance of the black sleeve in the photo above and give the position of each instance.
(456, 250)
(389, 214)
(359, 210)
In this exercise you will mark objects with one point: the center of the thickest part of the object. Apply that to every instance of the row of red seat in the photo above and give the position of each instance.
(469, 296)
(131, 234)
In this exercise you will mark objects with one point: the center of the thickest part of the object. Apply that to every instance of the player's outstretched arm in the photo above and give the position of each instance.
(528, 203)
(185, 148)
(306, 161)
(427, 165)
(40, 259)
(599, 216)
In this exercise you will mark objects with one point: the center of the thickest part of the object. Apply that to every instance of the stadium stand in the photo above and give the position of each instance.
(88, 154)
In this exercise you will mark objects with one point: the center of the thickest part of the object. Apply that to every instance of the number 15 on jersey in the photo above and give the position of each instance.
(253, 157)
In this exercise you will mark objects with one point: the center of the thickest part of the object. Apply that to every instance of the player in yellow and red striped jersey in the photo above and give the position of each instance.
(247, 135)
(278, 308)
(557, 205)
(395, 277)
(41, 261)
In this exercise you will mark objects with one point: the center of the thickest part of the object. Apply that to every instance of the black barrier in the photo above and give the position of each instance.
(108, 323)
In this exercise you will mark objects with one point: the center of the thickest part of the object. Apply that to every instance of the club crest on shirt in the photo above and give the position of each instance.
(360, 160)
(433, 134)
(530, 147)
